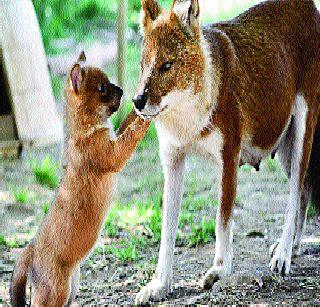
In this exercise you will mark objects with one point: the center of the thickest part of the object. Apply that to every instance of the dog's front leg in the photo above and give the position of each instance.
(224, 219)
(173, 167)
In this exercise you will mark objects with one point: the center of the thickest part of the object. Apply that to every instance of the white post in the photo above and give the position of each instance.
(122, 24)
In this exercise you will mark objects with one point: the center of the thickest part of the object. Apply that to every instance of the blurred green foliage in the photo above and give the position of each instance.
(21, 196)
(79, 18)
(46, 172)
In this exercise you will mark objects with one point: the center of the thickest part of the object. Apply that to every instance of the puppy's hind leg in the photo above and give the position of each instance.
(54, 294)
(74, 285)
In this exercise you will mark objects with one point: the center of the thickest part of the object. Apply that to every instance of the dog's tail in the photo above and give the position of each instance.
(19, 278)
(314, 170)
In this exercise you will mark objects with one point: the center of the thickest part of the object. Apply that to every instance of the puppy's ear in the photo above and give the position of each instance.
(82, 57)
(149, 13)
(76, 78)
(188, 12)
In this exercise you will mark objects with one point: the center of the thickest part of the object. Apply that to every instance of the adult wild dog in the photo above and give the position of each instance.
(73, 223)
(235, 91)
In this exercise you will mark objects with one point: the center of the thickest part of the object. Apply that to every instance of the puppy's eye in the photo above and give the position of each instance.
(102, 88)
(166, 66)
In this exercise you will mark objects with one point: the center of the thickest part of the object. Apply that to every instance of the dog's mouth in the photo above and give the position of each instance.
(152, 116)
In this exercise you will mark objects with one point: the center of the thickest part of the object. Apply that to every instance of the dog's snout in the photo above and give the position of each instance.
(140, 101)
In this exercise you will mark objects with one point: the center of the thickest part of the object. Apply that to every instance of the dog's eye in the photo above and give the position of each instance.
(102, 88)
(166, 66)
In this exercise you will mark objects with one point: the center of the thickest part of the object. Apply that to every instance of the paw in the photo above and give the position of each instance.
(280, 259)
(155, 290)
(214, 274)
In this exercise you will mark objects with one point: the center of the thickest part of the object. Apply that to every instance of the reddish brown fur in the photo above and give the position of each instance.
(73, 223)
(261, 65)
(261, 62)
(271, 66)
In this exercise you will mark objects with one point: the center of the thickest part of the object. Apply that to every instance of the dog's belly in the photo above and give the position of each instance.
(253, 154)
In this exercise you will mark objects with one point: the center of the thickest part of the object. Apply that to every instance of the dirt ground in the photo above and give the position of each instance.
(259, 213)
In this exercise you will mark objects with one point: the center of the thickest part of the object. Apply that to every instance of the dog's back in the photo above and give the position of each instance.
(273, 64)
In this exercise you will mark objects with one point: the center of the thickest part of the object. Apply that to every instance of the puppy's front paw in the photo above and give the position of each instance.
(155, 290)
(281, 259)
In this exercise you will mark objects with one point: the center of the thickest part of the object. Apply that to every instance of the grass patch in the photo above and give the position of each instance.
(195, 203)
(12, 242)
(140, 224)
(57, 86)
(246, 168)
(124, 251)
(138, 218)
(21, 196)
(272, 165)
(46, 172)
(186, 218)
(311, 211)
(2, 240)
(203, 233)
(45, 208)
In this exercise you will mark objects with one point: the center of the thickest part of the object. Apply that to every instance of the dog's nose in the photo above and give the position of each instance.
(140, 101)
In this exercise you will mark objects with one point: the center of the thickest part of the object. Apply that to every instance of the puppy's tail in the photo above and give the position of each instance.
(314, 170)
(19, 278)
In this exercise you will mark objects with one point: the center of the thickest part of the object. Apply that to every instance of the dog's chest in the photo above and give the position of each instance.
(184, 118)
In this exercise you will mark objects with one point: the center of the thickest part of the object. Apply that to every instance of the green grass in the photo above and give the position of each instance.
(124, 251)
(193, 202)
(45, 208)
(46, 172)
(57, 86)
(12, 242)
(203, 233)
(137, 225)
(21, 196)
(272, 165)
(2, 240)
(311, 211)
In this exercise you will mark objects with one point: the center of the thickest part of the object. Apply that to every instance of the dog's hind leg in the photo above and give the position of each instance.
(301, 218)
(303, 126)
(74, 286)
(285, 157)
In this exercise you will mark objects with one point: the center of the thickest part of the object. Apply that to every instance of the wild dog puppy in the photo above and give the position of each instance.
(235, 91)
(70, 229)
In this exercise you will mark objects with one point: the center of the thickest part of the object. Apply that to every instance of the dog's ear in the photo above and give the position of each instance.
(76, 77)
(188, 12)
(149, 13)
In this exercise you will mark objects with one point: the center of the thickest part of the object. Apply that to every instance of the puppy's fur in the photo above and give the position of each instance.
(69, 231)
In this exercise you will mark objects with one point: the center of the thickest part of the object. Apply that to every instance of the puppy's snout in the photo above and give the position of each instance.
(140, 101)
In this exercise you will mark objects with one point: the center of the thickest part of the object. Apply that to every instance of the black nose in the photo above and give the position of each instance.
(140, 101)
(118, 90)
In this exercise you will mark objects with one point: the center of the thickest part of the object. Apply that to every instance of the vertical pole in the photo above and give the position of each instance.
(122, 24)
